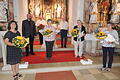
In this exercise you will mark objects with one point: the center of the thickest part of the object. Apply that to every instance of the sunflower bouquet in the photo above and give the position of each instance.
(101, 35)
(20, 42)
(47, 32)
(75, 32)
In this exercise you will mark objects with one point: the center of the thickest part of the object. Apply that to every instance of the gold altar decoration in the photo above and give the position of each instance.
(48, 9)
(104, 8)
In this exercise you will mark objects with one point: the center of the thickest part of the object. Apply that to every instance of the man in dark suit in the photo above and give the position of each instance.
(28, 31)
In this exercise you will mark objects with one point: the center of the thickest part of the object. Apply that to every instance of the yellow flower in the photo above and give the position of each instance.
(19, 37)
(22, 41)
(74, 32)
(48, 30)
(101, 35)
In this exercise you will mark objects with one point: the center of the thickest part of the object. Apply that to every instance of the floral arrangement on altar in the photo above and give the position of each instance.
(75, 32)
(47, 32)
(101, 35)
(20, 42)
(41, 26)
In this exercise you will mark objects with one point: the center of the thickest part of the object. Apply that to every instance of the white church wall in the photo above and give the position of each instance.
(20, 11)
(76, 11)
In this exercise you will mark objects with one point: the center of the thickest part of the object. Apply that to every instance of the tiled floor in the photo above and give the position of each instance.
(86, 74)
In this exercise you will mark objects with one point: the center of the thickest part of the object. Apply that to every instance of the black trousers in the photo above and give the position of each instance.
(40, 38)
(31, 39)
(49, 48)
(110, 52)
(63, 37)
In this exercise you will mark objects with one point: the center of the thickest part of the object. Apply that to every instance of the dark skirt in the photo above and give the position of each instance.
(14, 55)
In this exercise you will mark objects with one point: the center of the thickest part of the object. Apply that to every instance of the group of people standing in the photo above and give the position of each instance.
(14, 54)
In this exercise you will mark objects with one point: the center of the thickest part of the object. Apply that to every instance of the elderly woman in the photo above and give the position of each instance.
(49, 40)
(79, 40)
(108, 47)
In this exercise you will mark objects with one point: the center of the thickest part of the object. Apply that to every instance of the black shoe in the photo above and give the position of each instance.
(19, 75)
(64, 46)
(32, 53)
(15, 77)
(27, 54)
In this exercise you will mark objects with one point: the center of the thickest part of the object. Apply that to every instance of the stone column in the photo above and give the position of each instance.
(80, 10)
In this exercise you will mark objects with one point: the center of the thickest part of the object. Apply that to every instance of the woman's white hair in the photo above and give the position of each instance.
(108, 25)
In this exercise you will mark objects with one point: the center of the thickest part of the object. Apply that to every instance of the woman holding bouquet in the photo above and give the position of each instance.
(49, 38)
(14, 54)
(108, 46)
(79, 40)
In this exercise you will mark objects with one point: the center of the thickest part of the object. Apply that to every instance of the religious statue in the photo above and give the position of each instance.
(93, 12)
(58, 10)
(104, 7)
(114, 13)
(31, 7)
(37, 10)
(3, 11)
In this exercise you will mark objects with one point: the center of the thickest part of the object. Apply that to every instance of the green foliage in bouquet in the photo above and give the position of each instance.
(47, 32)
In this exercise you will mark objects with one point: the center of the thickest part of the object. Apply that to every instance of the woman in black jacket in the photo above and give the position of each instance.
(79, 40)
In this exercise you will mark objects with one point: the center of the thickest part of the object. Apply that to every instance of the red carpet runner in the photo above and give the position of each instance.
(58, 56)
(62, 75)
(58, 42)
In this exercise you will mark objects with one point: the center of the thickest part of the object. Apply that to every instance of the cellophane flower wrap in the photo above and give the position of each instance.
(101, 35)
(75, 32)
(47, 32)
(117, 28)
(20, 42)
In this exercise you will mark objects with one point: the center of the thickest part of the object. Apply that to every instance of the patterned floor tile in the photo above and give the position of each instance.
(29, 77)
(94, 71)
(110, 76)
(100, 76)
(89, 77)
(84, 72)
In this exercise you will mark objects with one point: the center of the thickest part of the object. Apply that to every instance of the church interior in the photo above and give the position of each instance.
(94, 15)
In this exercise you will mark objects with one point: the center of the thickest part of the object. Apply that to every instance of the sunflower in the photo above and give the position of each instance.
(75, 32)
(101, 35)
(19, 37)
(47, 32)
